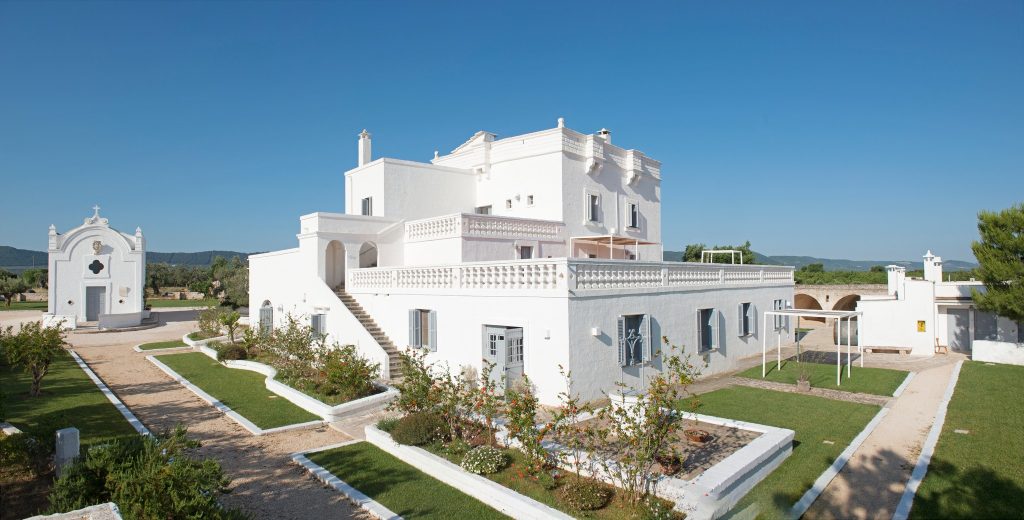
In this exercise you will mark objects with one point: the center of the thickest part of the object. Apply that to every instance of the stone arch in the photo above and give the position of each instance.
(846, 303)
(334, 264)
(806, 301)
(368, 255)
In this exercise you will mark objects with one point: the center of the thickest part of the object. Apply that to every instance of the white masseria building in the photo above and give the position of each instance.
(531, 252)
(97, 276)
(929, 314)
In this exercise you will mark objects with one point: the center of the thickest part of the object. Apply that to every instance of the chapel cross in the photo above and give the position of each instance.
(96, 211)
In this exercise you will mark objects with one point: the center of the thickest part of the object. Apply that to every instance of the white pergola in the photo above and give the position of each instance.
(838, 316)
(710, 255)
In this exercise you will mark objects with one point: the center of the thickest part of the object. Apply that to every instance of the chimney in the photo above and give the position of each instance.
(365, 154)
(897, 276)
(605, 134)
(932, 267)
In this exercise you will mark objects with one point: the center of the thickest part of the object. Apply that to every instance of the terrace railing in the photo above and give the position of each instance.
(482, 226)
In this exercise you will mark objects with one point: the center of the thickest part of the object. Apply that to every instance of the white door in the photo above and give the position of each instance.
(513, 356)
(95, 302)
(494, 351)
(958, 333)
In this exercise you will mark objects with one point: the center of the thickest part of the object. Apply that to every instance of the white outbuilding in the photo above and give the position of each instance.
(97, 276)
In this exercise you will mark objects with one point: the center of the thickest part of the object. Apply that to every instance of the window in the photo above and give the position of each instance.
(514, 347)
(633, 215)
(529, 200)
(266, 318)
(747, 319)
(508, 203)
(318, 322)
(708, 330)
(367, 207)
(591, 255)
(593, 207)
(495, 338)
(780, 322)
(483, 210)
(525, 252)
(634, 339)
(423, 329)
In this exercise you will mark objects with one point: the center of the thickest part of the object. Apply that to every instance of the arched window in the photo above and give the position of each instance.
(266, 317)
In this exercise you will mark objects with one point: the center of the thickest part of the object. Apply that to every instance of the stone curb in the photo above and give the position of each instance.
(376, 509)
(132, 420)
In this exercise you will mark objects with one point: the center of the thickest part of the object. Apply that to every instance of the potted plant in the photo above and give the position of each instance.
(803, 382)
(669, 461)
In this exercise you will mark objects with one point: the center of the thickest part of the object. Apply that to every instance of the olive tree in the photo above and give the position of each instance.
(11, 287)
(1000, 254)
(34, 347)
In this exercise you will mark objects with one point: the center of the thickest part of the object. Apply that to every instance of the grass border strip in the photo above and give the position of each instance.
(172, 349)
(376, 509)
(233, 415)
(109, 394)
(903, 385)
(830, 473)
(923, 460)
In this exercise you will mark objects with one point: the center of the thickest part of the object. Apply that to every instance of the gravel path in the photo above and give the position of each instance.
(871, 484)
(266, 483)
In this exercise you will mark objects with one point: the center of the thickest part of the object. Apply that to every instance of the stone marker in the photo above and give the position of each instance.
(67, 448)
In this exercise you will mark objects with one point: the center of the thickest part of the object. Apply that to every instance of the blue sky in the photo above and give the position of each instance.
(866, 130)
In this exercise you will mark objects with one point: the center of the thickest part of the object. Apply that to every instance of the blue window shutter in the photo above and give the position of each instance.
(622, 341)
(414, 328)
(741, 320)
(645, 328)
(433, 331)
(700, 333)
(753, 319)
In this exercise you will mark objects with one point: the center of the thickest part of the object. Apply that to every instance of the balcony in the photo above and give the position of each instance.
(562, 276)
(470, 225)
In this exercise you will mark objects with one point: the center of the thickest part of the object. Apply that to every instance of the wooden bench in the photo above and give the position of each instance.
(903, 351)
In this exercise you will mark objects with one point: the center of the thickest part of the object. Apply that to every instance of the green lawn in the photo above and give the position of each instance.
(398, 486)
(241, 390)
(69, 398)
(23, 306)
(979, 474)
(155, 303)
(878, 381)
(814, 419)
(176, 343)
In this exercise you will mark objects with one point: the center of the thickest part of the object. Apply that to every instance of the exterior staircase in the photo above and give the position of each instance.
(394, 358)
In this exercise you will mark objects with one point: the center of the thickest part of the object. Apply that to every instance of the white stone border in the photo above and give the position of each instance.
(138, 348)
(903, 385)
(921, 468)
(233, 415)
(481, 488)
(376, 509)
(314, 406)
(201, 342)
(830, 473)
(132, 420)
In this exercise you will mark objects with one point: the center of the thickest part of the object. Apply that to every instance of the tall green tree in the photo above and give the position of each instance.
(1000, 254)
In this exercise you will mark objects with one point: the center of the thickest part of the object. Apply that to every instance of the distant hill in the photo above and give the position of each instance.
(832, 264)
(14, 259)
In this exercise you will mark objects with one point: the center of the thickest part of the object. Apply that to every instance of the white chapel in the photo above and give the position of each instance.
(97, 275)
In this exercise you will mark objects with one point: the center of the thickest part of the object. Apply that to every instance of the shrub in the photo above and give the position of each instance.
(484, 460)
(387, 424)
(653, 508)
(521, 411)
(209, 322)
(418, 429)
(416, 388)
(34, 347)
(21, 452)
(349, 375)
(230, 351)
(584, 495)
(148, 478)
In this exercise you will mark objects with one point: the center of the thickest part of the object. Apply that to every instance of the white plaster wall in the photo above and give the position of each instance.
(124, 268)
(514, 175)
(409, 190)
(1010, 353)
(893, 323)
(595, 361)
(460, 322)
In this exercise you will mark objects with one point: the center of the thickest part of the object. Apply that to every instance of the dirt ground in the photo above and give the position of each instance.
(265, 482)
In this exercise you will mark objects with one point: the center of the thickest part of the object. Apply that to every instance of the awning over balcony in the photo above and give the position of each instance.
(609, 242)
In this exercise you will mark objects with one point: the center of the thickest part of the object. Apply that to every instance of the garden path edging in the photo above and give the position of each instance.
(376, 509)
(312, 405)
(233, 415)
(109, 394)
(930, 442)
(481, 488)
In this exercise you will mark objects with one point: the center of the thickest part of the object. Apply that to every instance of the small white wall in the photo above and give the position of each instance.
(893, 323)
(409, 190)
(998, 352)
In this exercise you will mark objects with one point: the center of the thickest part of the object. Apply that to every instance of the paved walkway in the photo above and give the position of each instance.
(872, 482)
(266, 484)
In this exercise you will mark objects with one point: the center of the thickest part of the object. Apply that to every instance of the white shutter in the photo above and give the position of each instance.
(622, 341)
(414, 328)
(753, 319)
(786, 321)
(648, 345)
(741, 321)
(433, 331)
(700, 327)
